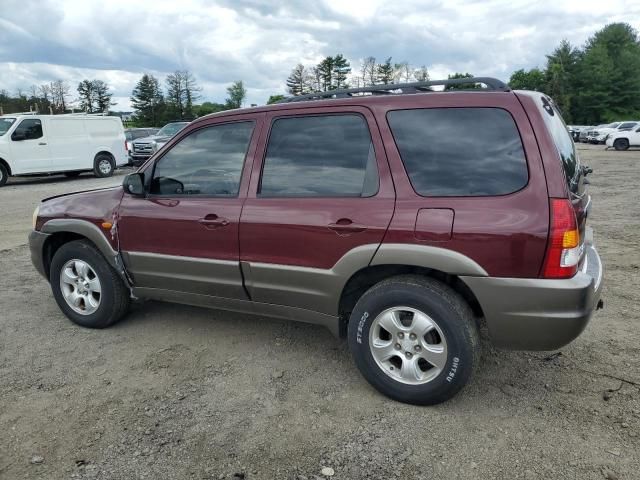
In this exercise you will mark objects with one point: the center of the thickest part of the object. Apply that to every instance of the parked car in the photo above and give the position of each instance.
(143, 148)
(367, 214)
(582, 136)
(575, 130)
(69, 144)
(624, 139)
(600, 133)
(132, 134)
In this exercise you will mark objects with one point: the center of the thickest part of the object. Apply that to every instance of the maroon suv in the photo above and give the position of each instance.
(399, 217)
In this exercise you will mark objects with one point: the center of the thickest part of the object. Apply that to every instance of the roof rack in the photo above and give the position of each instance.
(405, 88)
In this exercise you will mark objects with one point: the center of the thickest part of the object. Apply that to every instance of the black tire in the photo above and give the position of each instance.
(446, 308)
(4, 175)
(72, 174)
(102, 159)
(621, 144)
(114, 294)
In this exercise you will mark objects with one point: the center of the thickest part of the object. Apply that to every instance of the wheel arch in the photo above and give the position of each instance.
(6, 165)
(64, 230)
(104, 151)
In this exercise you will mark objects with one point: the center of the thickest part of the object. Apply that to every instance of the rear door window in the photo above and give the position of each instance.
(320, 156)
(564, 143)
(460, 151)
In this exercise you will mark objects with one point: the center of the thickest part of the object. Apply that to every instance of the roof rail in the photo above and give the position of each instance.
(406, 88)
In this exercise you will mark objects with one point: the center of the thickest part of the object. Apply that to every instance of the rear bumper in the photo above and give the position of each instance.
(539, 314)
(36, 246)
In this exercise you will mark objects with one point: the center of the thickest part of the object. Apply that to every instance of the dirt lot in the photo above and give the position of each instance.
(178, 392)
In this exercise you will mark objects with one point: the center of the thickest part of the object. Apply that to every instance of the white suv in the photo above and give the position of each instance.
(624, 140)
(600, 133)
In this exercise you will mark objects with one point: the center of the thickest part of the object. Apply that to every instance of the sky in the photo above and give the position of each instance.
(260, 42)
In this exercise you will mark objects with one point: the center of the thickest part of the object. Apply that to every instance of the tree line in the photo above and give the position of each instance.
(335, 72)
(178, 101)
(597, 83)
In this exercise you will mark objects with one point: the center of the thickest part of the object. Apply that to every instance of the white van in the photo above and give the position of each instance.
(69, 144)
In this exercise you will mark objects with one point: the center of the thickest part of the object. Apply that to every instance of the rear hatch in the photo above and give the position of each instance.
(573, 169)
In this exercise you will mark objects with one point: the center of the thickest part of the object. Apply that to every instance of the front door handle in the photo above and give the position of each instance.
(345, 226)
(42, 143)
(213, 221)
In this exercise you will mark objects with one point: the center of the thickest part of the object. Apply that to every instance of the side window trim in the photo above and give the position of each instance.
(290, 115)
(152, 170)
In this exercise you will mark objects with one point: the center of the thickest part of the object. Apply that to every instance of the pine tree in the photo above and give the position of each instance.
(385, 72)
(341, 70)
(298, 81)
(147, 101)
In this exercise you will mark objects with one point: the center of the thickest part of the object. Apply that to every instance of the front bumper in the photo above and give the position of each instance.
(539, 314)
(36, 246)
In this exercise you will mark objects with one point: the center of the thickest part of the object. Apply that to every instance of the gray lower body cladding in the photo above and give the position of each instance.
(36, 247)
(539, 314)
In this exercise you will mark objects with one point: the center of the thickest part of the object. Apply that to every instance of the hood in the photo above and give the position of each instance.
(149, 139)
(81, 192)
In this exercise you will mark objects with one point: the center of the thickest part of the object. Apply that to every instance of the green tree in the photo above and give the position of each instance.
(207, 108)
(147, 101)
(341, 71)
(384, 72)
(461, 86)
(533, 79)
(237, 93)
(275, 99)
(325, 71)
(616, 50)
(86, 96)
(102, 96)
(298, 81)
(560, 77)
(182, 92)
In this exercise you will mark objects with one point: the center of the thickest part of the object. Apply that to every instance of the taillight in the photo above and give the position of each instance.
(563, 249)
(126, 145)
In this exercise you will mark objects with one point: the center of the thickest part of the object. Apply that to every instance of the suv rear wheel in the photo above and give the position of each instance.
(414, 339)
(621, 144)
(86, 288)
(103, 165)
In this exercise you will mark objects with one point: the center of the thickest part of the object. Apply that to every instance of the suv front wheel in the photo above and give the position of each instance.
(414, 339)
(87, 289)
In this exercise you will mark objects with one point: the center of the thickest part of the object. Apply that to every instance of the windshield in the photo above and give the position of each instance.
(613, 125)
(170, 129)
(5, 124)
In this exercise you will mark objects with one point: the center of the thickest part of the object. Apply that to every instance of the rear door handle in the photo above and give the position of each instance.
(213, 221)
(42, 143)
(345, 226)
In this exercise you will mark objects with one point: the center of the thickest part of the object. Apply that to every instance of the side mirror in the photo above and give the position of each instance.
(18, 136)
(133, 184)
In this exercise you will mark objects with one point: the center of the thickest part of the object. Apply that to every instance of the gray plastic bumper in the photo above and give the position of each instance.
(539, 314)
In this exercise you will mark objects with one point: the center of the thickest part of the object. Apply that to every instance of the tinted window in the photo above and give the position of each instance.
(564, 143)
(320, 156)
(627, 125)
(28, 130)
(460, 151)
(207, 162)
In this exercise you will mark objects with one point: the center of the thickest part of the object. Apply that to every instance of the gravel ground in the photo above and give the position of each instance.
(177, 392)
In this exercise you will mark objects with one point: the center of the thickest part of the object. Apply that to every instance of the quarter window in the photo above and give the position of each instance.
(209, 162)
(320, 156)
(29, 129)
(460, 151)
